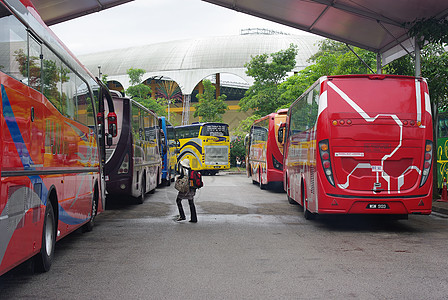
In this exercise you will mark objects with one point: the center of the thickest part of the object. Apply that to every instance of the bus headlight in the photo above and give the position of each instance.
(277, 164)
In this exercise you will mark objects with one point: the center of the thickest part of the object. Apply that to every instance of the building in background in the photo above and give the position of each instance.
(175, 70)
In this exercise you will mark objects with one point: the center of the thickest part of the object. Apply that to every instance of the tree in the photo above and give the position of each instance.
(332, 58)
(135, 75)
(268, 71)
(208, 108)
(243, 128)
(141, 92)
(104, 79)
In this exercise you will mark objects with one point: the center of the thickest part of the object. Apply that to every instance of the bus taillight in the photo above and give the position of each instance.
(124, 168)
(324, 152)
(427, 162)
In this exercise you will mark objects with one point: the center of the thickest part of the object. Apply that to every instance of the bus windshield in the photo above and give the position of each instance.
(215, 130)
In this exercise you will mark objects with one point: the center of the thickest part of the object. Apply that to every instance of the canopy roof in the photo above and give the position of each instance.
(380, 26)
(53, 12)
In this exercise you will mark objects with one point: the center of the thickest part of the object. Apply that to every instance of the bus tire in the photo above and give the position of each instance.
(262, 186)
(141, 197)
(89, 225)
(44, 258)
(168, 178)
(306, 213)
(290, 200)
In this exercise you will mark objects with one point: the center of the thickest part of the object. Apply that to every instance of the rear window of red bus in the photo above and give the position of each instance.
(390, 95)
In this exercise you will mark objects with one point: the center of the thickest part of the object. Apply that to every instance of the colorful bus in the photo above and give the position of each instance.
(360, 144)
(207, 145)
(50, 164)
(133, 163)
(264, 152)
(169, 150)
(442, 148)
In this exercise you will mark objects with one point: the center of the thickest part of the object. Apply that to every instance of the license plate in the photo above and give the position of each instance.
(377, 206)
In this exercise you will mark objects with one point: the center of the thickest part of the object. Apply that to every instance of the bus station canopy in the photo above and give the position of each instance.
(53, 12)
(380, 26)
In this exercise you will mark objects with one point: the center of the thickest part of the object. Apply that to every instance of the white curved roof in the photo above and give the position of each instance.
(189, 61)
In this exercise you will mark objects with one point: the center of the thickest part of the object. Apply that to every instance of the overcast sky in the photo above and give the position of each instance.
(143, 22)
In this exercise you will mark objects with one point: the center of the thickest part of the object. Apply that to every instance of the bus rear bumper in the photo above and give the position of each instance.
(119, 187)
(409, 205)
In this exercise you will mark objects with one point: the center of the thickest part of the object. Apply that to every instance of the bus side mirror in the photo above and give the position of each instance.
(112, 124)
(281, 133)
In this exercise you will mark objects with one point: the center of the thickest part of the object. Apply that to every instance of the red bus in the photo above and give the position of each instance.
(264, 154)
(49, 154)
(360, 144)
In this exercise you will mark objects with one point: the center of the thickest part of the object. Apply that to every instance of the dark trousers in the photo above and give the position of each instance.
(194, 218)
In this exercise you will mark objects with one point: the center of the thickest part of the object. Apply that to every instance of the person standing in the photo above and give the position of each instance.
(185, 170)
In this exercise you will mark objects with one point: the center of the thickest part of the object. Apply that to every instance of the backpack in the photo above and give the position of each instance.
(196, 179)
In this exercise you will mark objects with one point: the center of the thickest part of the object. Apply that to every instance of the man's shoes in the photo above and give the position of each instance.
(193, 221)
(180, 219)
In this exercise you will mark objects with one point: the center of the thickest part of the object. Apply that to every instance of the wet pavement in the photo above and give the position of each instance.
(248, 244)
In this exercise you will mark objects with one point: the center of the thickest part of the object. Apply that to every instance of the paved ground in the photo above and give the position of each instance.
(248, 244)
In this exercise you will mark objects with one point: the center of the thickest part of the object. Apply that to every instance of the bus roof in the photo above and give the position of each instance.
(202, 124)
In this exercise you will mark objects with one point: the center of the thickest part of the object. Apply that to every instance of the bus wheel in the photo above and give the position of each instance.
(262, 186)
(306, 213)
(143, 191)
(290, 200)
(168, 178)
(44, 259)
(89, 225)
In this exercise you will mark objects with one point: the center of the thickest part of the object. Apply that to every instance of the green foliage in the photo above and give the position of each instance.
(333, 58)
(237, 149)
(268, 71)
(104, 79)
(141, 93)
(135, 75)
(210, 109)
(243, 128)
(434, 62)
(430, 30)
(156, 105)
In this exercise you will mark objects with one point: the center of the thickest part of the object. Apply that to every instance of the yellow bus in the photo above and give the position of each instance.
(206, 145)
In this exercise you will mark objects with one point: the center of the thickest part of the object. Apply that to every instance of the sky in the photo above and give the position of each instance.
(143, 22)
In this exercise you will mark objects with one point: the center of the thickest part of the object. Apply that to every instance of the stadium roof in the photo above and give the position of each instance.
(189, 61)
(380, 26)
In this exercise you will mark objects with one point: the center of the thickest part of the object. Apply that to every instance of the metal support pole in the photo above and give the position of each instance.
(186, 110)
(169, 102)
(379, 67)
(418, 67)
(360, 59)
